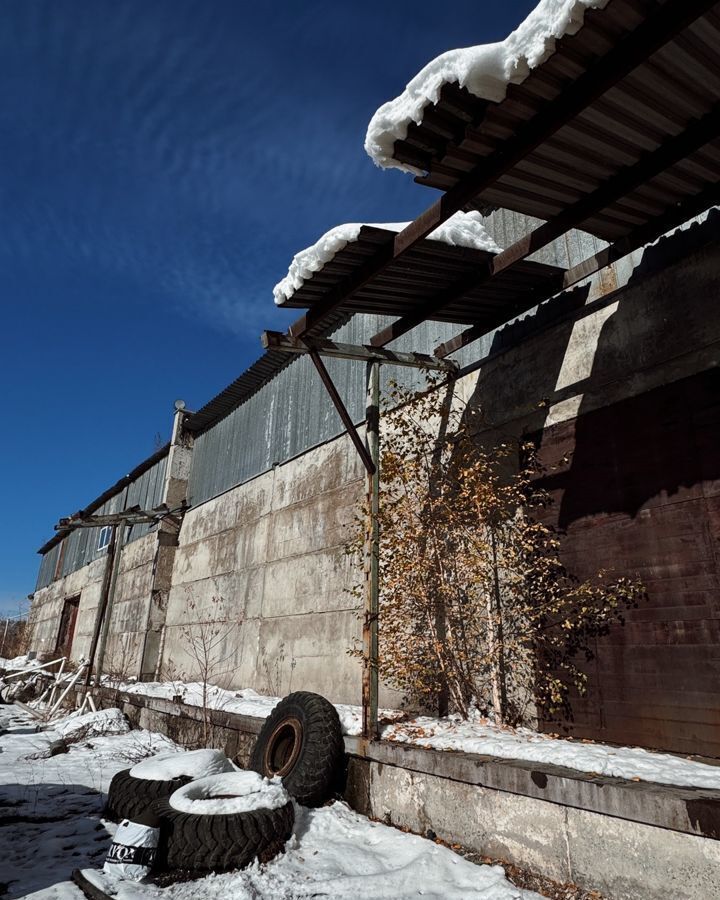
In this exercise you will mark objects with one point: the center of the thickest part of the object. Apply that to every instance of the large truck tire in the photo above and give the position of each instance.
(219, 843)
(301, 741)
(131, 798)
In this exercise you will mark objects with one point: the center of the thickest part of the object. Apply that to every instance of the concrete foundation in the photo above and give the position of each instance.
(628, 840)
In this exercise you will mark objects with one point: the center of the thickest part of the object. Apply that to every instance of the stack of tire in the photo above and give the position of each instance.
(300, 742)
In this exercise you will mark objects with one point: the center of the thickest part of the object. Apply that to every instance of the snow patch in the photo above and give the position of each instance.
(68, 792)
(486, 739)
(18, 663)
(485, 71)
(92, 724)
(339, 854)
(229, 794)
(193, 764)
(461, 230)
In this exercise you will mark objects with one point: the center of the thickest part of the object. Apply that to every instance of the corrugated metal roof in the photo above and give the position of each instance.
(670, 91)
(423, 272)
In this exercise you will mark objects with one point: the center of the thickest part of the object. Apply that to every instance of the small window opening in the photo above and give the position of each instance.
(104, 537)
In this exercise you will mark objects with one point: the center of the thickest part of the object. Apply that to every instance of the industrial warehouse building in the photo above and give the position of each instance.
(615, 377)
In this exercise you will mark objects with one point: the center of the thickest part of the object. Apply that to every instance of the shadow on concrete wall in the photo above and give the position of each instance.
(634, 473)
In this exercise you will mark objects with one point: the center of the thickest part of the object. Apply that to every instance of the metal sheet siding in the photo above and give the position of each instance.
(81, 545)
(292, 412)
(47, 567)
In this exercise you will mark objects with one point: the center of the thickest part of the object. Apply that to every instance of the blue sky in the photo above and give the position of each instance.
(160, 162)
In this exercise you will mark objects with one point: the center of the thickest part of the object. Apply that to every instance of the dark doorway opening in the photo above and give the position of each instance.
(67, 626)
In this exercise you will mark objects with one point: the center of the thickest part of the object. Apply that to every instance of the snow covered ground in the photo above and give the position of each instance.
(50, 807)
(485, 70)
(17, 663)
(476, 736)
(51, 823)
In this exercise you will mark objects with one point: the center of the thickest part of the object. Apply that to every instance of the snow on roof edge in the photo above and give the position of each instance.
(460, 230)
(485, 70)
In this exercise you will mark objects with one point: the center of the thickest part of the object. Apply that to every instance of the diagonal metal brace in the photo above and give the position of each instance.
(342, 412)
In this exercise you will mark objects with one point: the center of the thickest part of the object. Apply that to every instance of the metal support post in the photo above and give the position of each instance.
(104, 595)
(121, 535)
(372, 558)
(106, 614)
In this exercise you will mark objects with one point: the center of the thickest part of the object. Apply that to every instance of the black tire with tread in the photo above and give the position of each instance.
(219, 843)
(313, 776)
(130, 797)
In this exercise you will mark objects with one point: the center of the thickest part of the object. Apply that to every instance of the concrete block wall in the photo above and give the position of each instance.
(267, 559)
(130, 607)
(48, 605)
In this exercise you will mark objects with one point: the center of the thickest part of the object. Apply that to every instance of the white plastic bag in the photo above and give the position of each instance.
(132, 852)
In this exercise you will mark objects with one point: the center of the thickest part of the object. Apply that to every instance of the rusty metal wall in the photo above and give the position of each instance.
(80, 547)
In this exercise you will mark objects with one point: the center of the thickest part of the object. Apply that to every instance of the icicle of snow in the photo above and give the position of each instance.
(461, 230)
(485, 71)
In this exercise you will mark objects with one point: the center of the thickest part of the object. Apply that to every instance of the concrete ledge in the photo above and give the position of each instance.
(629, 840)
(689, 810)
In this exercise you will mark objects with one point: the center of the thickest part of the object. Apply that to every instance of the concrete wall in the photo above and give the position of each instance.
(267, 557)
(130, 608)
(129, 613)
(48, 603)
(623, 400)
(266, 560)
(620, 858)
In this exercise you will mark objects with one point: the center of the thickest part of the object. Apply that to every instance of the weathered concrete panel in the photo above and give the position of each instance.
(311, 583)
(309, 526)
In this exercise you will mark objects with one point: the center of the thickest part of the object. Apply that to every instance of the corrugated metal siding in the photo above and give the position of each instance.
(47, 567)
(507, 227)
(80, 546)
(293, 413)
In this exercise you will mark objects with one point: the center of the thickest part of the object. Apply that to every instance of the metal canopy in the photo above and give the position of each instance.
(133, 515)
(426, 271)
(674, 84)
(70, 521)
(610, 100)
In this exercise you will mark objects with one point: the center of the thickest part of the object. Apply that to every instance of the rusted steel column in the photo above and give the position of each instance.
(372, 558)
